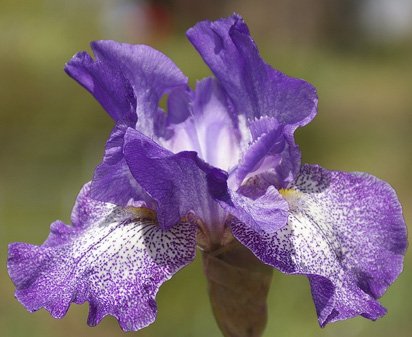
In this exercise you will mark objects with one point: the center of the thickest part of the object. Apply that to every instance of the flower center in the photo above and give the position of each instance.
(293, 198)
(211, 136)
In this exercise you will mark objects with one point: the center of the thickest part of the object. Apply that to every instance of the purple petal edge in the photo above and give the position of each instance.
(255, 88)
(345, 232)
(116, 261)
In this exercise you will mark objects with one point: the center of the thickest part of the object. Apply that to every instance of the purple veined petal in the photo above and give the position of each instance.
(255, 88)
(182, 182)
(261, 155)
(108, 85)
(112, 181)
(150, 72)
(210, 129)
(179, 105)
(116, 262)
(137, 72)
(345, 232)
(289, 164)
(86, 210)
(273, 150)
(179, 183)
(264, 214)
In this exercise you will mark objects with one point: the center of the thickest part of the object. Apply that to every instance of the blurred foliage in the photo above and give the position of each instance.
(52, 135)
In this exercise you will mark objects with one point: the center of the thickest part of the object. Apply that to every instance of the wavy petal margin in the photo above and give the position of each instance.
(345, 232)
(114, 258)
(255, 88)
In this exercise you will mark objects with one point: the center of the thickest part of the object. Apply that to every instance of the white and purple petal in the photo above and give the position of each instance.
(345, 232)
(115, 258)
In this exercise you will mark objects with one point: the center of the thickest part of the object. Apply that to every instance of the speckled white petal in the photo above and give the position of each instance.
(116, 262)
(345, 232)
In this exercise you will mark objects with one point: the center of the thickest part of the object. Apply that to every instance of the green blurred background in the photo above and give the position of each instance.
(52, 132)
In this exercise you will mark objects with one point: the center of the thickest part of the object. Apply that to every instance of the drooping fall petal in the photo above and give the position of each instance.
(345, 232)
(112, 257)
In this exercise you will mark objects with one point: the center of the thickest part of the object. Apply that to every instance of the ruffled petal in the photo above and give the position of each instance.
(124, 74)
(116, 262)
(346, 232)
(178, 182)
(112, 181)
(255, 88)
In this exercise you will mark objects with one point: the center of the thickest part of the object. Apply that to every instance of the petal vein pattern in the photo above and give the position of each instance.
(265, 96)
(332, 215)
(116, 263)
(255, 88)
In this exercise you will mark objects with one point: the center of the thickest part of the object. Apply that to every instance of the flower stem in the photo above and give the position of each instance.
(238, 284)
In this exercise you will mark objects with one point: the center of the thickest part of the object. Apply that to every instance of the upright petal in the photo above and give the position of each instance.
(107, 84)
(256, 88)
(125, 74)
(346, 232)
(116, 262)
(268, 98)
(210, 128)
(150, 73)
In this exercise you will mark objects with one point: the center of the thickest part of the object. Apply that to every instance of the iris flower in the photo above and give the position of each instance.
(221, 164)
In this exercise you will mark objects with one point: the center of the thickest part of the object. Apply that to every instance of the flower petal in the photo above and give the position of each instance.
(211, 129)
(264, 214)
(178, 182)
(116, 262)
(255, 88)
(109, 86)
(86, 210)
(112, 181)
(182, 182)
(268, 98)
(150, 73)
(120, 67)
(273, 151)
(346, 232)
(261, 155)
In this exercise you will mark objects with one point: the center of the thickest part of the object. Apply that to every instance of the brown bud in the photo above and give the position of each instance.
(238, 285)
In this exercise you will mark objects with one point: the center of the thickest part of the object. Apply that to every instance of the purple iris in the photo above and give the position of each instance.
(221, 164)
